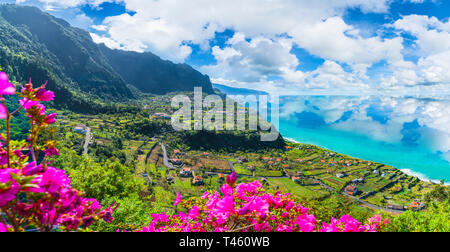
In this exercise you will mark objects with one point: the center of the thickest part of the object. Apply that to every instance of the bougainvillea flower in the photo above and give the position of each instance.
(51, 151)
(8, 187)
(3, 113)
(178, 200)
(45, 95)
(231, 179)
(6, 88)
(3, 228)
(31, 169)
(28, 104)
(50, 119)
(52, 180)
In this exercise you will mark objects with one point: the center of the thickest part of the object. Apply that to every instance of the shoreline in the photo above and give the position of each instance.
(407, 171)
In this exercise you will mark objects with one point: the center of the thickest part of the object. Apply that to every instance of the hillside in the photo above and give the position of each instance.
(150, 74)
(34, 43)
(65, 52)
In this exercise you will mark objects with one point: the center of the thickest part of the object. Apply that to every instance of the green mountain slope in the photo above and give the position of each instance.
(150, 74)
(82, 73)
(66, 52)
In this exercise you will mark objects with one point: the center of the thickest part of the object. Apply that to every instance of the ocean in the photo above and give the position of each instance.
(411, 133)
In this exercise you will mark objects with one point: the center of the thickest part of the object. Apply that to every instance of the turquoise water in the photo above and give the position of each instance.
(409, 133)
(428, 164)
(395, 133)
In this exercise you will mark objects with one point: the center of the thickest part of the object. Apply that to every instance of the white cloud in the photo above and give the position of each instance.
(164, 27)
(266, 32)
(59, 4)
(433, 48)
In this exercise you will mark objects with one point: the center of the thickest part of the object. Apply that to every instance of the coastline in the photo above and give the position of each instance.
(409, 172)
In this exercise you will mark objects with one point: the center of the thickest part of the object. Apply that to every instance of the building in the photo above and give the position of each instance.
(176, 162)
(416, 206)
(80, 128)
(341, 175)
(396, 207)
(351, 190)
(221, 178)
(359, 181)
(295, 179)
(186, 173)
(160, 116)
(198, 181)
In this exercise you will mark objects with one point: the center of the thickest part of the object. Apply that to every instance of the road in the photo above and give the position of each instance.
(87, 141)
(166, 159)
(372, 206)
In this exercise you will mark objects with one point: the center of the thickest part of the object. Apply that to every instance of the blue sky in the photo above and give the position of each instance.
(287, 46)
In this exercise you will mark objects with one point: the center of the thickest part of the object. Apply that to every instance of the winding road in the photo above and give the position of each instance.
(165, 158)
(87, 141)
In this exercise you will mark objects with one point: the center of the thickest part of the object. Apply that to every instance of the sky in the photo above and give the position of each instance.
(283, 46)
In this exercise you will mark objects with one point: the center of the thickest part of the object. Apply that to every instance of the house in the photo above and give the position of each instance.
(198, 181)
(80, 128)
(396, 207)
(186, 173)
(358, 181)
(160, 116)
(221, 178)
(177, 152)
(351, 190)
(285, 166)
(205, 154)
(176, 162)
(295, 179)
(341, 175)
(416, 206)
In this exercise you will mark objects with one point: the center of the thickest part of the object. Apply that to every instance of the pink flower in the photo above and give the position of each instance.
(226, 190)
(3, 113)
(51, 119)
(226, 205)
(44, 95)
(6, 88)
(178, 200)
(194, 213)
(51, 151)
(3, 228)
(231, 179)
(28, 104)
(52, 180)
(8, 187)
(31, 169)
(3, 158)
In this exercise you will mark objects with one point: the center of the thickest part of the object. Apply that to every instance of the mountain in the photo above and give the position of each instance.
(35, 44)
(66, 52)
(150, 74)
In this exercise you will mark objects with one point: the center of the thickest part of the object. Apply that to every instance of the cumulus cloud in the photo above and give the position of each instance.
(57, 4)
(433, 48)
(165, 27)
(266, 31)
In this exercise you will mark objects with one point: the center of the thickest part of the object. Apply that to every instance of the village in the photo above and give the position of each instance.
(305, 171)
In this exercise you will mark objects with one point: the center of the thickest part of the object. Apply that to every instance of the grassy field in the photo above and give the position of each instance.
(289, 186)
